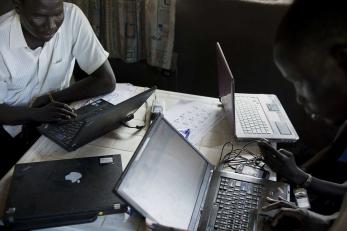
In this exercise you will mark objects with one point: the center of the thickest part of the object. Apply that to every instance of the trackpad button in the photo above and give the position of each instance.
(272, 107)
(283, 128)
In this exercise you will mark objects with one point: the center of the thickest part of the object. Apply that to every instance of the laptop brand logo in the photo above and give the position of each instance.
(74, 177)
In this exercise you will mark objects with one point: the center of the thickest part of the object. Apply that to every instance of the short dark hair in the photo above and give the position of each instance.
(314, 23)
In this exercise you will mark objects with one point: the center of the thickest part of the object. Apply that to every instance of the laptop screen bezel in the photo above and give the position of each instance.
(204, 185)
(222, 82)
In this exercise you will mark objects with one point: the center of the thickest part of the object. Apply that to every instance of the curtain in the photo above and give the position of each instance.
(134, 30)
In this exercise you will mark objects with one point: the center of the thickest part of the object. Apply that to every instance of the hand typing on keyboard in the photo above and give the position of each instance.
(53, 112)
(272, 206)
(290, 217)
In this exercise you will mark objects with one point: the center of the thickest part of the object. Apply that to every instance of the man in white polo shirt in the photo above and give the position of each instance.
(39, 43)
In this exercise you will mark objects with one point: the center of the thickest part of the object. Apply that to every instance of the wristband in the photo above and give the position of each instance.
(308, 181)
(51, 97)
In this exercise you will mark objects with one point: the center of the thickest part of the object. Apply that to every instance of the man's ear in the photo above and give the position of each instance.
(339, 53)
(16, 4)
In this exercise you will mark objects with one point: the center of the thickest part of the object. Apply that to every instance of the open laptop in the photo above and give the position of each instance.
(93, 121)
(63, 192)
(170, 182)
(252, 116)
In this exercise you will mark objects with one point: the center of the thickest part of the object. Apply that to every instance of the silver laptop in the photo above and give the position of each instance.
(252, 116)
(173, 184)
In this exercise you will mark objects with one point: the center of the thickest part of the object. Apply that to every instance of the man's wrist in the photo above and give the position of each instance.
(40, 101)
(50, 97)
(32, 114)
(301, 178)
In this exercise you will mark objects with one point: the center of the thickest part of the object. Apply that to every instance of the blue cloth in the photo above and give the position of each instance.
(343, 157)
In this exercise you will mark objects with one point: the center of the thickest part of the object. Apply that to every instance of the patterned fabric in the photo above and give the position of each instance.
(91, 8)
(134, 30)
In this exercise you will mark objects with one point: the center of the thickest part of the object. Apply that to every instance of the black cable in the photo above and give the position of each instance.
(139, 127)
(221, 154)
(234, 158)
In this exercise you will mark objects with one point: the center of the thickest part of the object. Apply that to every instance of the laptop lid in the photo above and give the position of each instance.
(226, 85)
(167, 178)
(62, 192)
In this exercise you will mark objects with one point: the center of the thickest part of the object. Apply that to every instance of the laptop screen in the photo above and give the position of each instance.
(164, 179)
(226, 87)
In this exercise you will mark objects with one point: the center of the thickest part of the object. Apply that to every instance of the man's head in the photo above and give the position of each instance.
(40, 19)
(311, 52)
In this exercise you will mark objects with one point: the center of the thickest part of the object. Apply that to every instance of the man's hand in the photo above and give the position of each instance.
(306, 219)
(53, 112)
(156, 227)
(278, 204)
(41, 101)
(283, 163)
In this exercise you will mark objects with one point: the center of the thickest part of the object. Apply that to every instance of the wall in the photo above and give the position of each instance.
(5, 6)
(246, 32)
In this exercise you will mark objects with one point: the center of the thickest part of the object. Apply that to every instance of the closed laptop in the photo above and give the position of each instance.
(63, 192)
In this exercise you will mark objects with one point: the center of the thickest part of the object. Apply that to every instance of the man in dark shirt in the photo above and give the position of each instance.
(311, 53)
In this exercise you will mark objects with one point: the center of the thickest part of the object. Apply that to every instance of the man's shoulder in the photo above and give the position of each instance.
(5, 25)
(5, 20)
(71, 10)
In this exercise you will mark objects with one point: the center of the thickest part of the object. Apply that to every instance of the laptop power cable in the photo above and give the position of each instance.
(130, 117)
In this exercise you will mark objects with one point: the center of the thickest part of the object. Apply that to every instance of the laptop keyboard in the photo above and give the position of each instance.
(237, 201)
(251, 116)
(65, 133)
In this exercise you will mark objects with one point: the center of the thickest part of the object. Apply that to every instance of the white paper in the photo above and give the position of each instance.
(198, 117)
(122, 92)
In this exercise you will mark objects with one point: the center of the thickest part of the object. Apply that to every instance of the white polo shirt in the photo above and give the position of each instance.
(26, 74)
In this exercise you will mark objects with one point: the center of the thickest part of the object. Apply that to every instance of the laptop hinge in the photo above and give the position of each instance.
(206, 190)
(202, 202)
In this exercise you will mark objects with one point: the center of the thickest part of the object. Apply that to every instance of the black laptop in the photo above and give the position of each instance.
(170, 182)
(93, 121)
(63, 192)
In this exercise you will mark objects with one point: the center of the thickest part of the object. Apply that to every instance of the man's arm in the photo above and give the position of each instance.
(307, 220)
(55, 111)
(15, 115)
(283, 163)
(327, 188)
(100, 82)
